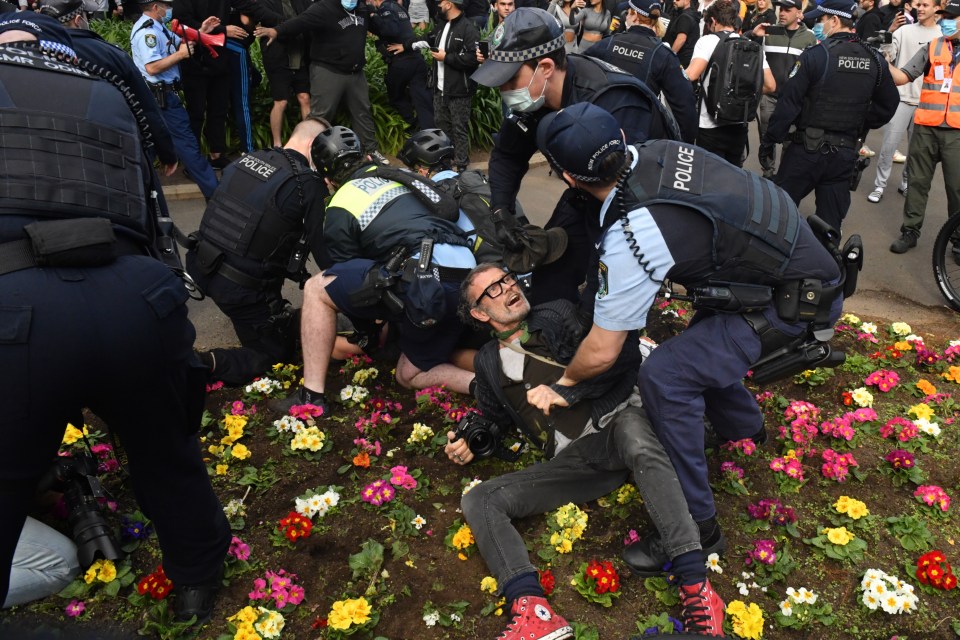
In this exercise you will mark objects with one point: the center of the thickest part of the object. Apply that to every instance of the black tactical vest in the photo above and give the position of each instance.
(69, 145)
(755, 223)
(840, 101)
(243, 218)
(633, 52)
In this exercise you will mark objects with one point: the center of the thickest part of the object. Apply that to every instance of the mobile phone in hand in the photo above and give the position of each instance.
(484, 47)
(776, 30)
(434, 49)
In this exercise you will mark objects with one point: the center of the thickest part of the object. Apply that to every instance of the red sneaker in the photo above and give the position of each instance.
(533, 619)
(702, 612)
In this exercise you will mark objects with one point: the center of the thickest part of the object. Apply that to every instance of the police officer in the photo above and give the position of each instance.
(375, 230)
(406, 70)
(157, 53)
(530, 66)
(673, 211)
(95, 322)
(91, 47)
(639, 51)
(263, 219)
(836, 92)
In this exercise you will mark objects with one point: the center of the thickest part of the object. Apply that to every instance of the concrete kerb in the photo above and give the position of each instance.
(189, 190)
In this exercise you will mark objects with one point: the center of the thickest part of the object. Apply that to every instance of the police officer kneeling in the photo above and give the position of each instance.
(672, 211)
(837, 91)
(89, 318)
(261, 222)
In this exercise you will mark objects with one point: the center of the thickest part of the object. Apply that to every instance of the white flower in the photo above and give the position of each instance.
(871, 601)
(330, 498)
(914, 338)
(455, 617)
(471, 485)
(432, 618)
(418, 522)
(862, 397)
(264, 386)
(927, 427)
(288, 424)
(393, 451)
(955, 343)
(713, 563)
(892, 603)
(742, 588)
(901, 328)
(346, 393)
(786, 607)
(868, 327)
(809, 597)
(303, 508)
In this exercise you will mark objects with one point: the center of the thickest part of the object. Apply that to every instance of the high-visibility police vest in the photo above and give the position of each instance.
(935, 106)
(755, 223)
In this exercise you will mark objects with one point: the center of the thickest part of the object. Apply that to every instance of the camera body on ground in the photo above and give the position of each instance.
(484, 438)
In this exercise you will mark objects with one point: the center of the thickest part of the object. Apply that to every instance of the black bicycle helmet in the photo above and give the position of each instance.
(337, 153)
(429, 148)
(62, 10)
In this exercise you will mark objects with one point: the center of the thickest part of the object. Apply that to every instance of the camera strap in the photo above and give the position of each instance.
(515, 347)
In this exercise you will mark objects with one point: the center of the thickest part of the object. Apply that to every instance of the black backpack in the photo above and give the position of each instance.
(736, 80)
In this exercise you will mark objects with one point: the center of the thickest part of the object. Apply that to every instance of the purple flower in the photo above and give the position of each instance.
(75, 608)
(764, 551)
(732, 469)
(238, 549)
(900, 459)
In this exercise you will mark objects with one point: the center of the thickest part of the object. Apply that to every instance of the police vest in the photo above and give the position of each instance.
(71, 146)
(840, 101)
(936, 107)
(594, 77)
(243, 217)
(755, 223)
(634, 52)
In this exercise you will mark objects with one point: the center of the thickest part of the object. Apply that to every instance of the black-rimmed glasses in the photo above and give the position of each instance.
(495, 289)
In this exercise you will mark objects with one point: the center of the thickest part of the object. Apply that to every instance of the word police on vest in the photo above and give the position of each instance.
(628, 52)
(852, 63)
(256, 167)
(682, 171)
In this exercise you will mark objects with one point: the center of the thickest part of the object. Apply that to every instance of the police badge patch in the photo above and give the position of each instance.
(497, 37)
(793, 72)
(150, 39)
(603, 281)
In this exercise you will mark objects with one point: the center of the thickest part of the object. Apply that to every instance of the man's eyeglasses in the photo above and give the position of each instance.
(495, 289)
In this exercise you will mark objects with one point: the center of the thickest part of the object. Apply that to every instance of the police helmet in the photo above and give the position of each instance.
(62, 10)
(430, 148)
(337, 153)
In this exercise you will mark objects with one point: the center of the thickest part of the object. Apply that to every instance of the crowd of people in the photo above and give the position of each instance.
(642, 109)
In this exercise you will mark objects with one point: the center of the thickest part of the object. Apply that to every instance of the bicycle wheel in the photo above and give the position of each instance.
(946, 261)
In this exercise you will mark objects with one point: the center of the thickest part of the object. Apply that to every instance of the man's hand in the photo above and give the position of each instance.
(185, 50)
(209, 24)
(268, 32)
(543, 397)
(168, 169)
(395, 48)
(480, 57)
(238, 33)
(898, 22)
(761, 30)
(440, 55)
(457, 451)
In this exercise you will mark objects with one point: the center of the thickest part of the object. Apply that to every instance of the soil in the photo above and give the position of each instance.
(431, 571)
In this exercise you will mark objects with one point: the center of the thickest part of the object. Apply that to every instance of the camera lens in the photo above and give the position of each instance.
(481, 443)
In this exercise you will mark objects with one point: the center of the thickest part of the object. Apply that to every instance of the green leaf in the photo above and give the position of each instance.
(368, 561)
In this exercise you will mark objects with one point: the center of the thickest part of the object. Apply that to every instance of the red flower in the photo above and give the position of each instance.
(547, 581)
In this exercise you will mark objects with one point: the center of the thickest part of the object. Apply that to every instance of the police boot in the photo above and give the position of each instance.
(647, 557)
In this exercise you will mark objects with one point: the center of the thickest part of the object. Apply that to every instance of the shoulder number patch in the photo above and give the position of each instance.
(603, 280)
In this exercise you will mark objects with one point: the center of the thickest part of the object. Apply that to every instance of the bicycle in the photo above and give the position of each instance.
(946, 261)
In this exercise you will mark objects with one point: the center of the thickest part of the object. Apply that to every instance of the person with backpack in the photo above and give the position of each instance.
(836, 92)
(732, 72)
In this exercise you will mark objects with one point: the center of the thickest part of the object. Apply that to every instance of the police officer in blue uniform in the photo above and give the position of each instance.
(407, 72)
(836, 92)
(157, 53)
(90, 319)
(529, 65)
(639, 51)
(263, 220)
(673, 211)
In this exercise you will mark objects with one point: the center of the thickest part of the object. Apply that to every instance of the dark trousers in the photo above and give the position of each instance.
(729, 142)
(115, 339)
(264, 339)
(453, 116)
(207, 97)
(186, 145)
(241, 87)
(826, 172)
(408, 91)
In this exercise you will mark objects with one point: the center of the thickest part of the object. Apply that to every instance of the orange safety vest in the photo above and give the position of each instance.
(935, 105)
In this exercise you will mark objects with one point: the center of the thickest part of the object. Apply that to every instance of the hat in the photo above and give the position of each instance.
(788, 4)
(51, 35)
(152, 1)
(525, 34)
(840, 8)
(645, 7)
(951, 8)
(540, 247)
(578, 138)
(62, 10)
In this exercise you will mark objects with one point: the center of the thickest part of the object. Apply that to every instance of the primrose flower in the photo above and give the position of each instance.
(900, 329)
(901, 459)
(75, 608)
(489, 585)
(839, 536)
(933, 496)
(713, 563)
(418, 522)
(862, 397)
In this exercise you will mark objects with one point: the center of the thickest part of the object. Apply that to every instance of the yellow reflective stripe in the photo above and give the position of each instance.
(357, 200)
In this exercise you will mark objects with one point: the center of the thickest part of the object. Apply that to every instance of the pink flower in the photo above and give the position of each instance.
(238, 549)
(296, 595)
(75, 608)
(258, 593)
(632, 536)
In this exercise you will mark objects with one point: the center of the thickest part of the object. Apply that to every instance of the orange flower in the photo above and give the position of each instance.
(926, 388)
(362, 459)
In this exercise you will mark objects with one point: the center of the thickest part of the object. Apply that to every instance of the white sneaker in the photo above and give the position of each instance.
(898, 157)
(875, 195)
(867, 152)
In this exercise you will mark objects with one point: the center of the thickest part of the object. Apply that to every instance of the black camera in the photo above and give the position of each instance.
(484, 437)
(77, 478)
(881, 37)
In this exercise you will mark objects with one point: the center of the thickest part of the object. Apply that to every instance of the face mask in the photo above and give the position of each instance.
(349, 5)
(818, 31)
(948, 26)
(520, 100)
(168, 15)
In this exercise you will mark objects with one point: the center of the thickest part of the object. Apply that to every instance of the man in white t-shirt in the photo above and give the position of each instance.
(728, 141)
(907, 40)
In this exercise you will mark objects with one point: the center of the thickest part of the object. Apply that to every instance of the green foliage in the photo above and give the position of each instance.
(586, 632)
(445, 615)
(911, 531)
(665, 592)
(813, 377)
(858, 364)
(158, 622)
(367, 563)
(260, 479)
(851, 552)
(662, 623)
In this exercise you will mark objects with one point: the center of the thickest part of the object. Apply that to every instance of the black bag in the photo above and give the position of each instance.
(736, 80)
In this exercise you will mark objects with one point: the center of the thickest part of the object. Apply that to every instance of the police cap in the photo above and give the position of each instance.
(788, 4)
(525, 34)
(430, 148)
(336, 153)
(62, 10)
(645, 7)
(578, 139)
(52, 35)
(840, 8)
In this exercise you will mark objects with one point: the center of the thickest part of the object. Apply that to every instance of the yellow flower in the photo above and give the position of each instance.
(849, 318)
(215, 450)
(246, 632)
(857, 510)
(463, 538)
(231, 421)
(222, 469)
(240, 452)
(842, 504)
(72, 434)
(91, 573)
(903, 345)
(839, 536)
(901, 328)
(953, 374)
(108, 571)
(489, 584)
(247, 615)
(339, 617)
(747, 621)
(565, 546)
(555, 538)
(921, 411)
(461, 556)
(359, 611)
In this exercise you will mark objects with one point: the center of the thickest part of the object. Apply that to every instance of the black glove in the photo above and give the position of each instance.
(509, 234)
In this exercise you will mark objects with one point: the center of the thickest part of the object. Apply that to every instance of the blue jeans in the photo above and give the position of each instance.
(188, 149)
(586, 469)
(45, 561)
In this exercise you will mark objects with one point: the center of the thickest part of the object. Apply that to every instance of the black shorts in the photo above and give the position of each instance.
(284, 81)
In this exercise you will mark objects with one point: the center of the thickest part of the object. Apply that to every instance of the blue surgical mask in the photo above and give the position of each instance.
(349, 5)
(520, 100)
(168, 14)
(818, 31)
(948, 26)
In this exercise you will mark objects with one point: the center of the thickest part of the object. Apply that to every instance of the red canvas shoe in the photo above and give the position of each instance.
(702, 612)
(533, 619)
